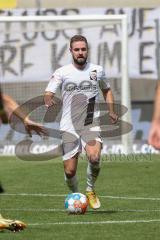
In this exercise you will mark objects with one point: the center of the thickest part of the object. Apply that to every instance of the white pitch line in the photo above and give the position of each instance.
(33, 209)
(132, 198)
(34, 194)
(63, 195)
(99, 222)
(63, 210)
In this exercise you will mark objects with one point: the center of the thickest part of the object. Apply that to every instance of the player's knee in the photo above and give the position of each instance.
(70, 173)
(94, 158)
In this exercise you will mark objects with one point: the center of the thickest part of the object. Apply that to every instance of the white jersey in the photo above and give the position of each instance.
(80, 90)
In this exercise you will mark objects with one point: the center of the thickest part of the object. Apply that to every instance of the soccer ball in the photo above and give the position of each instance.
(76, 203)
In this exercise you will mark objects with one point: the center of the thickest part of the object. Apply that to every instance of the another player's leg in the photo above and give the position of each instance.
(93, 150)
(12, 225)
(70, 168)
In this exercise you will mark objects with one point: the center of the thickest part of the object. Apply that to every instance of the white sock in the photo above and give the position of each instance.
(72, 183)
(92, 174)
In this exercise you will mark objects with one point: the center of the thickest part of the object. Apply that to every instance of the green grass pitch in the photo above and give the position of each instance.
(129, 190)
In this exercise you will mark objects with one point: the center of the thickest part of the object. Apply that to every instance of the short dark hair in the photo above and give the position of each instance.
(77, 38)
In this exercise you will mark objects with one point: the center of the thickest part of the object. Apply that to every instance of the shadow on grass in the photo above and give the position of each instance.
(113, 211)
(1, 188)
(101, 212)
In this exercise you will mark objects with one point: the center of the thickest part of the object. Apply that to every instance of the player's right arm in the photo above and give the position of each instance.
(54, 83)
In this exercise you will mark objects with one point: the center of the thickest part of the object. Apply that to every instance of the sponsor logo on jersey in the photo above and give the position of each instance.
(93, 75)
(83, 86)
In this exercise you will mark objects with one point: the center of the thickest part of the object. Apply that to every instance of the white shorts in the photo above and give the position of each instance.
(72, 143)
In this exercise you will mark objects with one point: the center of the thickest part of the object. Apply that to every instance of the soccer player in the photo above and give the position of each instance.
(7, 107)
(79, 82)
(154, 133)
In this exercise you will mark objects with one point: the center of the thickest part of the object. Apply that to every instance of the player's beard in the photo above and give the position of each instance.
(80, 61)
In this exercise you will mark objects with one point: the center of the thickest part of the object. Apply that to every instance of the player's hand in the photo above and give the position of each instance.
(49, 99)
(113, 117)
(33, 126)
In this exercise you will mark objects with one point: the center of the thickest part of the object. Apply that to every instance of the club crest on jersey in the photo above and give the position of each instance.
(93, 75)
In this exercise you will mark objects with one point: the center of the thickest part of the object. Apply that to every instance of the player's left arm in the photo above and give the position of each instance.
(109, 99)
(11, 106)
